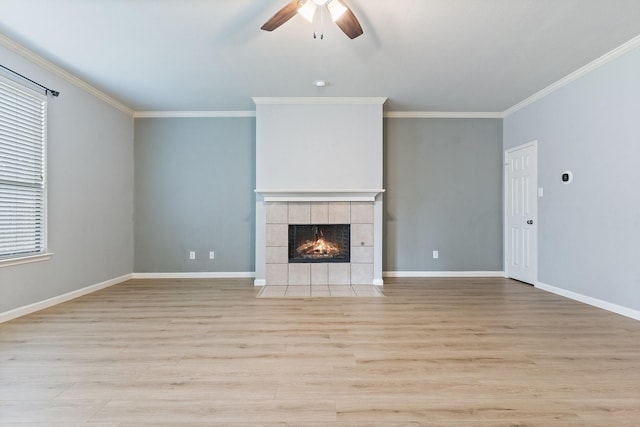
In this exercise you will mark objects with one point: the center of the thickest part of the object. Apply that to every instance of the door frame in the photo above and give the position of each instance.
(505, 192)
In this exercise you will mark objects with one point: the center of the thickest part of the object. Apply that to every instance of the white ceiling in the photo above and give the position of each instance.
(424, 55)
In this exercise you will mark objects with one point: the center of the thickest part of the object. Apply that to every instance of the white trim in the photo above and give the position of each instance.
(443, 274)
(49, 66)
(189, 114)
(325, 100)
(37, 306)
(364, 195)
(443, 115)
(260, 282)
(196, 275)
(614, 308)
(320, 191)
(8, 262)
(319, 198)
(378, 282)
(604, 59)
(533, 143)
(387, 115)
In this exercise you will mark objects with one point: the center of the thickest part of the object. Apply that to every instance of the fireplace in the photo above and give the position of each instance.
(348, 225)
(293, 135)
(319, 243)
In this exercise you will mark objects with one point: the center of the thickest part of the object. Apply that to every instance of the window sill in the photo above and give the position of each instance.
(7, 262)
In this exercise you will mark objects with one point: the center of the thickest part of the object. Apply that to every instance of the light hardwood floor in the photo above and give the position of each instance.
(433, 352)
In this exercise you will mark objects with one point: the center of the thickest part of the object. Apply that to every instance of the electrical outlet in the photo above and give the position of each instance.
(435, 254)
(192, 255)
(212, 255)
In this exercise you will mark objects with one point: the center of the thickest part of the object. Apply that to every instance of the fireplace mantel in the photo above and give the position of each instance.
(342, 195)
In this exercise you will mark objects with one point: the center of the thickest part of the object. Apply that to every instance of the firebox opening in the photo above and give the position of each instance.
(319, 243)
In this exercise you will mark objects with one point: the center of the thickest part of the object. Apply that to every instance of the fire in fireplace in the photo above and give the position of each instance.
(319, 243)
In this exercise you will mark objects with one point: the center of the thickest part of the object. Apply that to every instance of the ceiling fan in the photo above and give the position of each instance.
(313, 10)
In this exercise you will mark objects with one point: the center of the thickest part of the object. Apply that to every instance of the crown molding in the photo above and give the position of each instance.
(321, 100)
(442, 115)
(591, 66)
(51, 67)
(387, 115)
(188, 114)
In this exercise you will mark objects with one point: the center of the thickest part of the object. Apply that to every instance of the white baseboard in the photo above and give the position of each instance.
(618, 309)
(37, 306)
(196, 275)
(443, 274)
(378, 282)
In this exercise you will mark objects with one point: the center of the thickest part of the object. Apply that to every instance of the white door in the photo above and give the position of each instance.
(521, 212)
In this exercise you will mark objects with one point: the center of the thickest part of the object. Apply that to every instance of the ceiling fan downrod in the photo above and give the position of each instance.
(318, 23)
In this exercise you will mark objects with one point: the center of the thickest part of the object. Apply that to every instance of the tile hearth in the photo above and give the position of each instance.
(319, 291)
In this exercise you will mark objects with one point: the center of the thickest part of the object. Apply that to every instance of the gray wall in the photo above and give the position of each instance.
(194, 182)
(90, 194)
(444, 192)
(589, 231)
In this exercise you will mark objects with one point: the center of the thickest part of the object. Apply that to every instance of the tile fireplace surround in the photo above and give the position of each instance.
(360, 215)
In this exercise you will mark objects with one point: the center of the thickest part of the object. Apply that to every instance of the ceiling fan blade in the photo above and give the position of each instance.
(282, 16)
(348, 23)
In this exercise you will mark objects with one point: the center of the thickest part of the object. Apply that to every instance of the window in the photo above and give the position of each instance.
(22, 172)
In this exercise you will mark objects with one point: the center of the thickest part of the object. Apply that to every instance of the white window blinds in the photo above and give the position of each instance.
(22, 171)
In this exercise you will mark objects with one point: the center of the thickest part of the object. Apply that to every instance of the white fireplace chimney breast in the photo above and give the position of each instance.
(318, 143)
(325, 153)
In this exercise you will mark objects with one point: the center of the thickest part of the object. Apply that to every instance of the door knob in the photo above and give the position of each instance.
(530, 222)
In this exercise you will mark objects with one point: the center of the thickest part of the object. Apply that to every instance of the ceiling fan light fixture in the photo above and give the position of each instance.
(308, 10)
(336, 9)
(313, 11)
